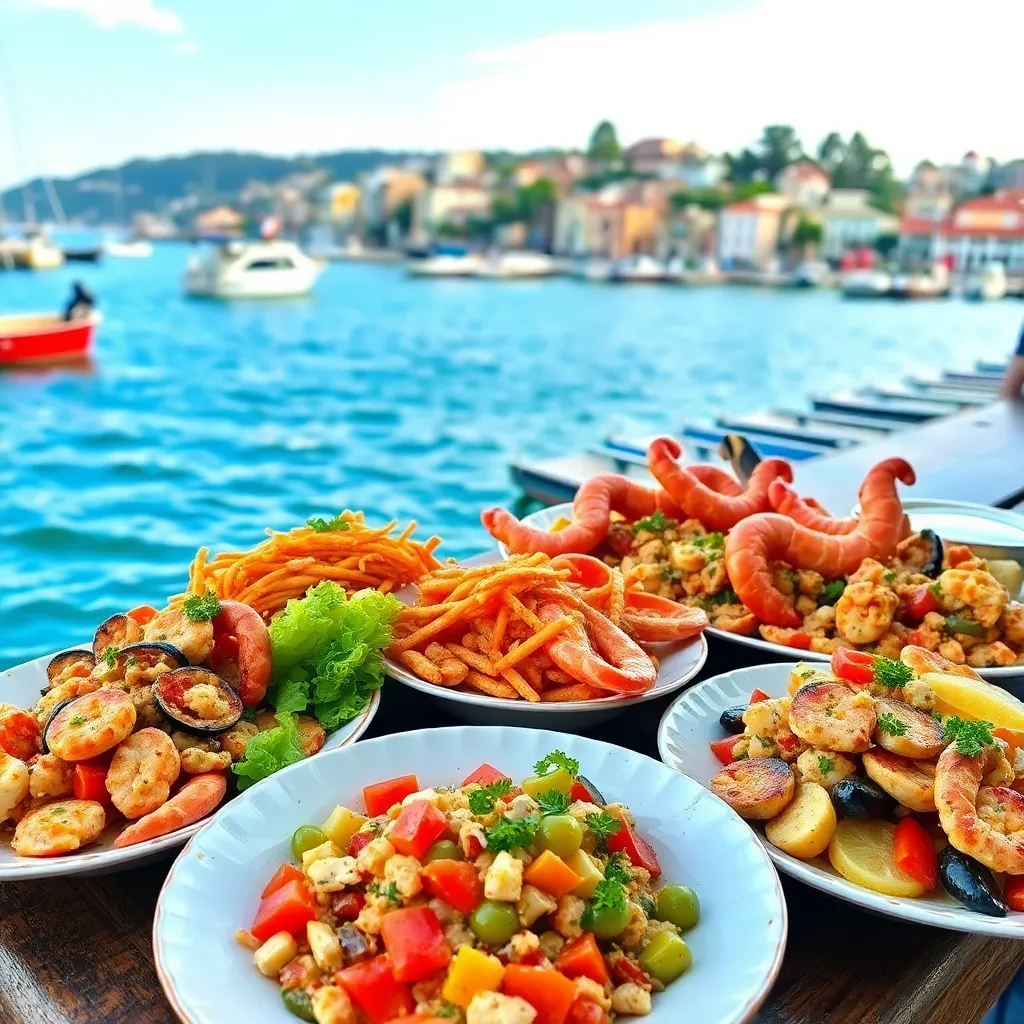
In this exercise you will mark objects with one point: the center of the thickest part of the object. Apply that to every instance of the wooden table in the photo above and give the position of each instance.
(977, 455)
(77, 951)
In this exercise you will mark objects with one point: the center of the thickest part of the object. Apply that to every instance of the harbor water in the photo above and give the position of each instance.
(202, 424)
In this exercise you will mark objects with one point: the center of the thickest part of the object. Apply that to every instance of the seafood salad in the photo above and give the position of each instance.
(761, 560)
(887, 768)
(485, 903)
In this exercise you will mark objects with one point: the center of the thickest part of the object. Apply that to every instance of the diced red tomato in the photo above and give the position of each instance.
(224, 653)
(551, 994)
(788, 742)
(585, 791)
(473, 847)
(19, 733)
(853, 666)
(624, 969)
(758, 695)
(917, 638)
(640, 852)
(379, 995)
(534, 959)
(1013, 893)
(382, 795)
(287, 909)
(415, 942)
(297, 973)
(913, 850)
(456, 882)
(143, 614)
(89, 782)
(800, 640)
(282, 876)
(485, 775)
(724, 748)
(358, 841)
(586, 1011)
(582, 957)
(416, 828)
(921, 600)
(346, 906)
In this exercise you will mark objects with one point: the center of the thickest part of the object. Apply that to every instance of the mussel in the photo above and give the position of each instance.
(214, 708)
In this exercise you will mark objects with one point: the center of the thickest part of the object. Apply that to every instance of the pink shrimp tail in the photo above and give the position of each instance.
(715, 510)
(521, 539)
(806, 511)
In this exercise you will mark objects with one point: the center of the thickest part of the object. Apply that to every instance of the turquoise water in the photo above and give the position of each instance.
(203, 424)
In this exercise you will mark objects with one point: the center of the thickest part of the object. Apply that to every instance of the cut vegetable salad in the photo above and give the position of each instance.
(485, 903)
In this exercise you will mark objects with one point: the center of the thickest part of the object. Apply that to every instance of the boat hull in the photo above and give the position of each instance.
(38, 340)
(286, 284)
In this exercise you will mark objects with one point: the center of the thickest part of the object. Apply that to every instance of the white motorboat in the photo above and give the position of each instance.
(36, 252)
(252, 270)
(518, 265)
(445, 265)
(591, 269)
(988, 284)
(639, 268)
(866, 284)
(136, 249)
(812, 274)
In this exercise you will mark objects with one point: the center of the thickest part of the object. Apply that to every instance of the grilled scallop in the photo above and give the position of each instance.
(832, 716)
(755, 788)
(804, 674)
(904, 730)
(911, 783)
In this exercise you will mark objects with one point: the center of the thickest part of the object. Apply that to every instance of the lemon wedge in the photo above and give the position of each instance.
(976, 699)
(861, 851)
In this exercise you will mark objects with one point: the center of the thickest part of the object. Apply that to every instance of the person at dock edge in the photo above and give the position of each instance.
(1013, 379)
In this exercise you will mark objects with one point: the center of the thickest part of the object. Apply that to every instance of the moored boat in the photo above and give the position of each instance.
(39, 338)
(866, 284)
(134, 248)
(445, 261)
(252, 270)
(36, 252)
(517, 265)
(639, 268)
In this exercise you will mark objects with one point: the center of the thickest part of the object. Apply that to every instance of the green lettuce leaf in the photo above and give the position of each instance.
(269, 752)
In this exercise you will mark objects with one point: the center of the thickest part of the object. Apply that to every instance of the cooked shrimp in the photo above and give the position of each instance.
(14, 782)
(911, 783)
(48, 775)
(595, 500)
(988, 826)
(715, 510)
(197, 798)
(91, 725)
(598, 653)
(60, 827)
(974, 591)
(312, 735)
(759, 540)
(173, 626)
(921, 660)
(60, 693)
(141, 772)
(825, 767)
(833, 716)
(734, 618)
(913, 734)
(254, 660)
(19, 732)
(787, 502)
(1011, 623)
(768, 733)
(864, 612)
(988, 655)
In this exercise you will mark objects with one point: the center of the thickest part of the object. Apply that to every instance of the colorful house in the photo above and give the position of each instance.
(803, 183)
(749, 232)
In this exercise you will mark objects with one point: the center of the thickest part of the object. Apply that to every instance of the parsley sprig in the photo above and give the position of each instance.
(389, 892)
(603, 826)
(110, 656)
(509, 835)
(656, 523)
(557, 759)
(826, 764)
(610, 893)
(321, 525)
(709, 543)
(482, 800)
(616, 871)
(890, 673)
(970, 737)
(832, 591)
(553, 802)
(888, 722)
(201, 607)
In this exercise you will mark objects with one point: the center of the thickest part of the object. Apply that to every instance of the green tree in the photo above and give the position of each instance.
(831, 152)
(777, 147)
(402, 216)
(885, 244)
(604, 143)
(706, 199)
(807, 232)
(749, 189)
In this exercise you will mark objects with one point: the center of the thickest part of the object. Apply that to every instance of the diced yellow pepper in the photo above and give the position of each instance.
(559, 780)
(342, 825)
(471, 971)
(590, 874)
(559, 524)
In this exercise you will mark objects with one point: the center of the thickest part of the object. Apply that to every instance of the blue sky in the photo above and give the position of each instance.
(98, 81)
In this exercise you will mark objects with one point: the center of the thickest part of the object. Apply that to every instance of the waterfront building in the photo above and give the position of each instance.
(452, 204)
(749, 231)
(465, 165)
(803, 183)
(689, 234)
(848, 221)
(220, 222)
(619, 220)
(386, 189)
(340, 203)
(1009, 175)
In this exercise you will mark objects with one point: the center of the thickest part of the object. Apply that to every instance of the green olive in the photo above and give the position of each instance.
(679, 905)
(297, 1000)
(494, 923)
(562, 834)
(666, 957)
(443, 849)
(608, 922)
(559, 780)
(307, 837)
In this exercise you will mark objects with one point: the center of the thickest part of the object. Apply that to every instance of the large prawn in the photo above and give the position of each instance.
(806, 511)
(716, 510)
(985, 822)
(759, 540)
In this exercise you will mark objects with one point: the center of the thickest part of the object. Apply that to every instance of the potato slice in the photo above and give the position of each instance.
(805, 828)
(833, 717)
(755, 788)
(907, 731)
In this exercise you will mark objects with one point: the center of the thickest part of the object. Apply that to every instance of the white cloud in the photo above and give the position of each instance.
(186, 48)
(109, 14)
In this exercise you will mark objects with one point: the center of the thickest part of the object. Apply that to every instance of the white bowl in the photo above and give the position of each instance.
(21, 685)
(213, 888)
(691, 723)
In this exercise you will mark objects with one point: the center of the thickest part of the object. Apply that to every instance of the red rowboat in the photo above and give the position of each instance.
(45, 338)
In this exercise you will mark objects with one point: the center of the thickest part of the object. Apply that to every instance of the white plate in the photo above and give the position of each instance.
(543, 518)
(21, 685)
(213, 888)
(691, 723)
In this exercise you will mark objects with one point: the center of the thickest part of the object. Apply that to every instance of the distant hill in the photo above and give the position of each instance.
(212, 177)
